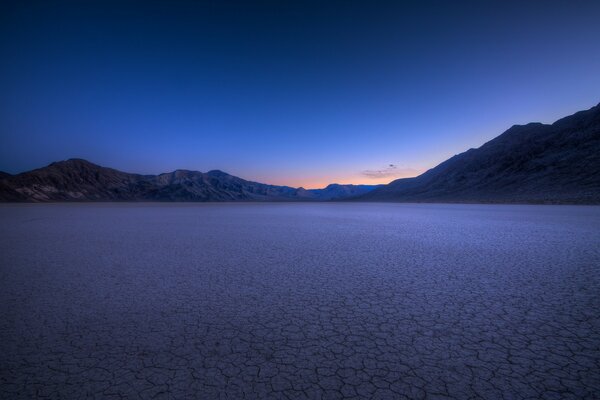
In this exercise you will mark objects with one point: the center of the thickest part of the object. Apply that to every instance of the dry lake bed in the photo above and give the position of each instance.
(299, 301)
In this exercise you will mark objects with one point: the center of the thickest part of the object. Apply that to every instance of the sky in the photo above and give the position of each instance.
(298, 93)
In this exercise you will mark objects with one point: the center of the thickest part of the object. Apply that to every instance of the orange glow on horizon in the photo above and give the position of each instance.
(321, 182)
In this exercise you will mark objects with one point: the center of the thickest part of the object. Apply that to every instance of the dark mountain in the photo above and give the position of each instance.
(70, 180)
(182, 185)
(4, 175)
(81, 180)
(336, 191)
(533, 163)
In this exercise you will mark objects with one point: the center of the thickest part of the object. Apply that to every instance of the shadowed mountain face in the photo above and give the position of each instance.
(336, 191)
(80, 180)
(533, 163)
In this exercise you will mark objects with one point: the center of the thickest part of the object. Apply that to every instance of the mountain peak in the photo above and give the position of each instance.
(74, 162)
(531, 163)
(524, 127)
(217, 173)
(77, 161)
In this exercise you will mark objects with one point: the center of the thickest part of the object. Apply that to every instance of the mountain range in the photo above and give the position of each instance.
(533, 163)
(81, 180)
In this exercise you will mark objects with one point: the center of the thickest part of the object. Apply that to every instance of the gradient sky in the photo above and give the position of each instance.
(302, 93)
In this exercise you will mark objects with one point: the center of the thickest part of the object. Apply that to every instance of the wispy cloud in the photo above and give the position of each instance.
(390, 171)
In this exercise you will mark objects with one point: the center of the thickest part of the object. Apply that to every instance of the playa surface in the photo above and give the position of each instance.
(387, 301)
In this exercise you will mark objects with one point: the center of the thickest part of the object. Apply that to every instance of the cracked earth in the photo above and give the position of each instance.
(299, 301)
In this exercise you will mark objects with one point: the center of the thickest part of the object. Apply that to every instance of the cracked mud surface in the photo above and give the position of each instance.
(299, 301)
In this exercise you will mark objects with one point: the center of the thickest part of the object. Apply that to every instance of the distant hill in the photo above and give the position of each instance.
(336, 191)
(81, 180)
(533, 163)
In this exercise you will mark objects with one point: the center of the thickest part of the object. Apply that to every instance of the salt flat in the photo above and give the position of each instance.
(299, 301)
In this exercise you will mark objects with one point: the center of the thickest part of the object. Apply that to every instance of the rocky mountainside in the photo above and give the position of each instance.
(336, 191)
(81, 180)
(533, 163)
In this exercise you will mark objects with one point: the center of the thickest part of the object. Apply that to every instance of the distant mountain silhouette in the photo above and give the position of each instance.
(81, 180)
(335, 191)
(533, 163)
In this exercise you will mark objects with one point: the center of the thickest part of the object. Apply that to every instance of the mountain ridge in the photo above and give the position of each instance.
(530, 163)
(77, 179)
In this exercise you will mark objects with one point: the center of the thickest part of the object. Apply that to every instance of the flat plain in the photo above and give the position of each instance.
(299, 301)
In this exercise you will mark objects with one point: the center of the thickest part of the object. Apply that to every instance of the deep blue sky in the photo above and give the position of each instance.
(287, 92)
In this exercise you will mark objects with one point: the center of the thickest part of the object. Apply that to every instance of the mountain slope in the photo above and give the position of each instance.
(183, 185)
(81, 180)
(533, 163)
(558, 163)
(74, 179)
(335, 191)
